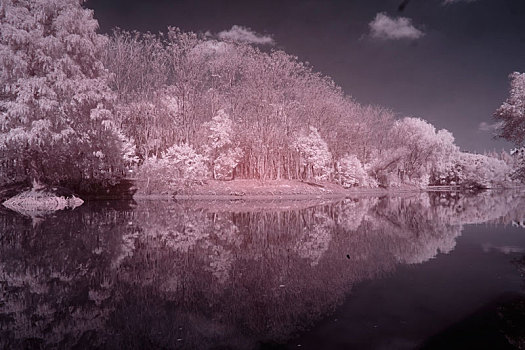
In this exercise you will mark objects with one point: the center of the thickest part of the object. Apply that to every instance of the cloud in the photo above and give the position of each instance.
(386, 28)
(211, 47)
(245, 35)
(483, 126)
(448, 2)
(505, 249)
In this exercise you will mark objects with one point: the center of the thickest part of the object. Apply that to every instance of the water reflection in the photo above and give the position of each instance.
(157, 274)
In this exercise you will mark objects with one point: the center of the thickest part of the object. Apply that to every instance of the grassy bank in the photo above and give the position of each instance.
(264, 190)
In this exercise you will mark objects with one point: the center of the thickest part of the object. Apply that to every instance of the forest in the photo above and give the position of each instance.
(175, 109)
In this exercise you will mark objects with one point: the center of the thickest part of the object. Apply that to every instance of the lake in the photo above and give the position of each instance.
(430, 270)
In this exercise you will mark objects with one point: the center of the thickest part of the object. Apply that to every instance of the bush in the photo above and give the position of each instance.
(352, 173)
(180, 166)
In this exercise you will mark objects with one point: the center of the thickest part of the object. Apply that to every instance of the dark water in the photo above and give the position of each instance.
(434, 271)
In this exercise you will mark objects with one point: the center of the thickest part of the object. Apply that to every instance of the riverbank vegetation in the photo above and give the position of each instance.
(84, 110)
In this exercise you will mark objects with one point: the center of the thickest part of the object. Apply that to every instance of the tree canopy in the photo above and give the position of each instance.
(511, 114)
(56, 120)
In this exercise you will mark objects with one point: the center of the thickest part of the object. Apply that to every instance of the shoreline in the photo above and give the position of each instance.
(271, 197)
(255, 190)
(357, 192)
(268, 190)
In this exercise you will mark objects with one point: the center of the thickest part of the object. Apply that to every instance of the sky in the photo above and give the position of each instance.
(446, 61)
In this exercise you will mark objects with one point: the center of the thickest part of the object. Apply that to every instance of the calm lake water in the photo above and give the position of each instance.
(432, 271)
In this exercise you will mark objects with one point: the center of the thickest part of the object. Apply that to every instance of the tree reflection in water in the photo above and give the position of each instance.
(164, 274)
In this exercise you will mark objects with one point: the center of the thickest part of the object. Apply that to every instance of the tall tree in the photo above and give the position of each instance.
(511, 114)
(55, 105)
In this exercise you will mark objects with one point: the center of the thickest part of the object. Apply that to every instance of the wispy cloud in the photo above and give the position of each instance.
(387, 28)
(486, 127)
(505, 249)
(448, 2)
(245, 35)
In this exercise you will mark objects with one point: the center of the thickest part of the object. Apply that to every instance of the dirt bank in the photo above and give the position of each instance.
(267, 190)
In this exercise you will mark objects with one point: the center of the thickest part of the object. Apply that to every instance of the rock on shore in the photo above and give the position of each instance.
(39, 201)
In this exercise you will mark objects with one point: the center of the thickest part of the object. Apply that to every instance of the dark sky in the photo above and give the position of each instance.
(455, 75)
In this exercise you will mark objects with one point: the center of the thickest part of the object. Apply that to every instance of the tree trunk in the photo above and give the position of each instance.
(35, 173)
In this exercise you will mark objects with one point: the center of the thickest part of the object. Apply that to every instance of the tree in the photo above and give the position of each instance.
(421, 150)
(511, 114)
(55, 105)
(186, 163)
(223, 155)
(511, 118)
(483, 171)
(316, 156)
(352, 173)
(180, 166)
